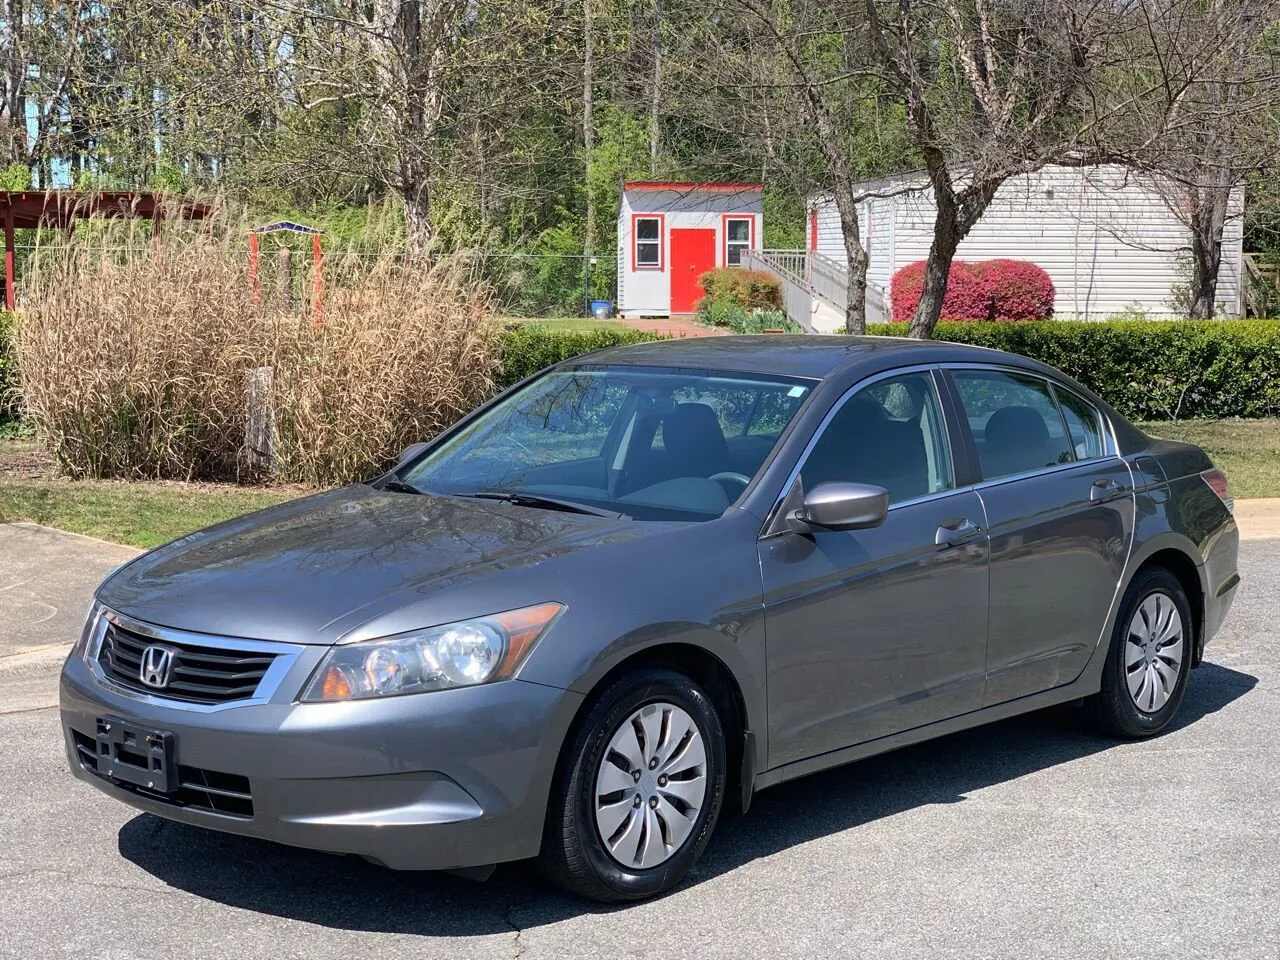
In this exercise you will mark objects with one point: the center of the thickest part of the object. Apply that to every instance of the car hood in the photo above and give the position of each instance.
(312, 570)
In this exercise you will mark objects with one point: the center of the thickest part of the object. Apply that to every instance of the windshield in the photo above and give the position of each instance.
(650, 443)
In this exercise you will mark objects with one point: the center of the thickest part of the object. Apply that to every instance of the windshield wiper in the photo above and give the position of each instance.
(543, 503)
(397, 486)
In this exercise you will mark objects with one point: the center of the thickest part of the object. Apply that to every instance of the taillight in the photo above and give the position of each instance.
(1217, 481)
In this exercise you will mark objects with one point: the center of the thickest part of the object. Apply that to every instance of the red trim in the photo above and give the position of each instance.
(662, 241)
(254, 291)
(655, 185)
(317, 283)
(813, 229)
(724, 234)
(10, 275)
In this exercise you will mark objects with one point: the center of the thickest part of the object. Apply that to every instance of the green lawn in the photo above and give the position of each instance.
(1248, 450)
(139, 514)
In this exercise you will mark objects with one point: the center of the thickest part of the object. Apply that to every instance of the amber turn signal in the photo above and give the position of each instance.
(522, 627)
(335, 685)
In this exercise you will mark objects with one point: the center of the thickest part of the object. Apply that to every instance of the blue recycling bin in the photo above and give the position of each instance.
(602, 309)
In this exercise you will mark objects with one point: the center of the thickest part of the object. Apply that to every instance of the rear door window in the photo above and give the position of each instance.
(1084, 424)
(1015, 421)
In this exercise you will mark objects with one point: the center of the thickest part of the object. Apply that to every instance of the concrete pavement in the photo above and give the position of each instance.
(1259, 519)
(1030, 838)
(47, 579)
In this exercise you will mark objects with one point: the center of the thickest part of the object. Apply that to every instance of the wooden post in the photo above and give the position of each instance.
(259, 436)
(156, 217)
(10, 300)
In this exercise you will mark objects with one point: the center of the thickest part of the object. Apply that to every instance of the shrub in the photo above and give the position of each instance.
(748, 289)
(1148, 370)
(402, 354)
(735, 318)
(1018, 290)
(989, 290)
(136, 366)
(528, 347)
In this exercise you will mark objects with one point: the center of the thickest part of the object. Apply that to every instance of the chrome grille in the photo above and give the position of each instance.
(200, 674)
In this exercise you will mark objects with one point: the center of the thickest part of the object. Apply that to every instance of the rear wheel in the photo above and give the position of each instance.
(638, 791)
(1145, 676)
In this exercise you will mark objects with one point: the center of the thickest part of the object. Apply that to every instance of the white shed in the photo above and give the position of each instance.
(1109, 238)
(669, 234)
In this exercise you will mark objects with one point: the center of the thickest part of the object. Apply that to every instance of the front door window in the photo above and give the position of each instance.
(889, 434)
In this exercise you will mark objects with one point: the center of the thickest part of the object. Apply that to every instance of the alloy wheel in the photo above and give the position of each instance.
(651, 785)
(1153, 652)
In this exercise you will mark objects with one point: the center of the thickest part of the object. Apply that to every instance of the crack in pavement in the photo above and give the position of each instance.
(516, 929)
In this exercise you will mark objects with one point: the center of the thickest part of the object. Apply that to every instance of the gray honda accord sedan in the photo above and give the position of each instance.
(644, 584)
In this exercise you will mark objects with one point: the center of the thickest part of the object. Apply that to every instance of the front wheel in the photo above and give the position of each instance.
(1145, 676)
(638, 791)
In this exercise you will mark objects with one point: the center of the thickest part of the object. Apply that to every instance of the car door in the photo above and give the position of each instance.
(874, 631)
(1059, 511)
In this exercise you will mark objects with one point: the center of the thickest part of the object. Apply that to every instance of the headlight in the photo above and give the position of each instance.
(81, 649)
(458, 654)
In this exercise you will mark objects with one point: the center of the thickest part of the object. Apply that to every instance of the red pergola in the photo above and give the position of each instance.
(62, 208)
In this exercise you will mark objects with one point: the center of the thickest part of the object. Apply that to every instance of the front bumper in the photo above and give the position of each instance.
(444, 780)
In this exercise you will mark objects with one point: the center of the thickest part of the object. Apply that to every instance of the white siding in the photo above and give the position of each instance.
(644, 293)
(830, 236)
(875, 223)
(878, 234)
(1109, 240)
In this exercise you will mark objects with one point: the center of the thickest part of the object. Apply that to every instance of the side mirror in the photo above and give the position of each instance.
(411, 451)
(838, 505)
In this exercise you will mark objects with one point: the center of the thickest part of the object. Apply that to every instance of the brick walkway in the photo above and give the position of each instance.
(676, 327)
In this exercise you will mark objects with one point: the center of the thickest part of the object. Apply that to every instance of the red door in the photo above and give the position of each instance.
(693, 253)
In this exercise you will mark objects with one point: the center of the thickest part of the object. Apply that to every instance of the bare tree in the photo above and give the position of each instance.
(803, 71)
(655, 90)
(39, 50)
(1205, 88)
(991, 91)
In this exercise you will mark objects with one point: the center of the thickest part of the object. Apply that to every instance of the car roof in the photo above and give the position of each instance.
(795, 355)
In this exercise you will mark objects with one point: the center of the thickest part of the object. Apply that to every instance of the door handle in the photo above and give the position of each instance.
(955, 531)
(1104, 488)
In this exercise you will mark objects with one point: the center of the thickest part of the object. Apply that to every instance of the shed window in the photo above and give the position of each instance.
(648, 241)
(737, 238)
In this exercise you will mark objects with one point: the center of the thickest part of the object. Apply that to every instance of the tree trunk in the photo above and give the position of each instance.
(13, 109)
(955, 217)
(855, 302)
(937, 269)
(418, 230)
(588, 128)
(655, 92)
(1208, 217)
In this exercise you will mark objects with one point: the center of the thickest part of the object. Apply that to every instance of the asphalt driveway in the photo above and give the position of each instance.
(1030, 838)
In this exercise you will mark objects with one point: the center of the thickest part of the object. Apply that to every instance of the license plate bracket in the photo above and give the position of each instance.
(136, 755)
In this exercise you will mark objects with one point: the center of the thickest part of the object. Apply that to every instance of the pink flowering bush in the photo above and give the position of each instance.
(990, 290)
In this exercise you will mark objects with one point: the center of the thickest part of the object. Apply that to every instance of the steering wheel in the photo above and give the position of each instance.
(736, 477)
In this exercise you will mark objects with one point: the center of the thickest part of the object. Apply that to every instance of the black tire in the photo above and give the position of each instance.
(573, 853)
(1113, 707)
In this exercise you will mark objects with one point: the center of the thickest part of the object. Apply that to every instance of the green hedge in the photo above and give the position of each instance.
(8, 375)
(1154, 370)
(1148, 370)
(528, 347)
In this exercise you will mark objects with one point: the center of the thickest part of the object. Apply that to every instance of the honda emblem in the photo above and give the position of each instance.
(157, 665)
